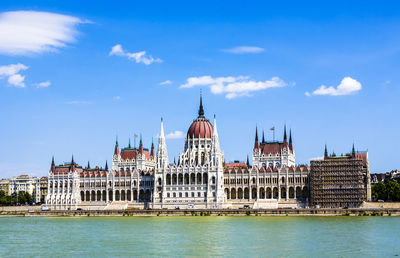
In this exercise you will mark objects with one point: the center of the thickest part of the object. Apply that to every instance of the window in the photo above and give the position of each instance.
(168, 195)
(180, 194)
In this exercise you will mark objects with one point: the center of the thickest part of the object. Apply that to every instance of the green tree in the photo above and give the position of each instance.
(392, 190)
(379, 191)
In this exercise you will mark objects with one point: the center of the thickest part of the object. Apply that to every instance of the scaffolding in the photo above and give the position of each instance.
(337, 182)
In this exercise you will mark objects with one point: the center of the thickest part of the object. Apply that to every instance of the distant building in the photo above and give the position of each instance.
(43, 188)
(383, 177)
(25, 183)
(5, 186)
(340, 181)
(378, 177)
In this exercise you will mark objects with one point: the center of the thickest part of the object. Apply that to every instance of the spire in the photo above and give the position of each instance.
(215, 138)
(106, 168)
(162, 155)
(284, 133)
(152, 147)
(53, 164)
(116, 149)
(201, 110)
(174, 161)
(263, 139)
(326, 151)
(162, 128)
(248, 162)
(290, 140)
(72, 168)
(88, 165)
(129, 145)
(140, 144)
(353, 151)
(256, 140)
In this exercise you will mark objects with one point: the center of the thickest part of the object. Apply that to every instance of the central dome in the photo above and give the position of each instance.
(201, 127)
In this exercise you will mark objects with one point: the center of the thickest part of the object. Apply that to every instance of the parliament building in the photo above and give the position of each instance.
(141, 178)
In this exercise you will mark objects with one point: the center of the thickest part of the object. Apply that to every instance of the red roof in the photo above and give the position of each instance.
(271, 148)
(131, 154)
(363, 157)
(236, 165)
(200, 127)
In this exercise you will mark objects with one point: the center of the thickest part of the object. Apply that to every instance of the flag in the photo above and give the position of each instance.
(272, 128)
(136, 135)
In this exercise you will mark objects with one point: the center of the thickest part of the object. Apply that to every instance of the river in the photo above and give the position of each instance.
(200, 236)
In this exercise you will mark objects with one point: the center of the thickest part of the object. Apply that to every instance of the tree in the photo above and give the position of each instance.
(393, 190)
(379, 191)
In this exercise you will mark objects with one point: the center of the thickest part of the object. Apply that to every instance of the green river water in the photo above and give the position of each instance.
(200, 236)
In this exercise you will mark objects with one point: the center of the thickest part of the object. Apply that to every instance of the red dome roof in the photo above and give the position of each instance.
(200, 127)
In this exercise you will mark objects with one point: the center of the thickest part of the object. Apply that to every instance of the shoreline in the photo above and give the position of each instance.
(205, 212)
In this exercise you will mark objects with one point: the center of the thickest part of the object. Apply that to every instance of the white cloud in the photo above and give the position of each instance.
(138, 57)
(27, 32)
(167, 82)
(175, 135)
(43, 84)
(233, 87)
(244, 50)
(12, 72)
(79, 102)
(346, 87)
(116, 98)
(16, 80)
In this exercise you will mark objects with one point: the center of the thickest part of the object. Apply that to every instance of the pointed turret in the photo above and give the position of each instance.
(152, 148)
(326, 151)
(88, 165)
(290, 140)
(174, 161)
(106, 167)
(263, 139)
(256, 140)
(284, 136)
(53, 164)
(201, 110)
(248, 162)
(129, 144)
(116, 149)
(215, 134)
(353, 151)
(72, 168)
(162, 155)
(140, 144)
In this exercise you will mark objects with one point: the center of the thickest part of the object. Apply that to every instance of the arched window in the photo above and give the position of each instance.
(180, 195)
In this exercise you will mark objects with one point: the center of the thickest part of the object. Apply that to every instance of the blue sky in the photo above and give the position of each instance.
(328, 70)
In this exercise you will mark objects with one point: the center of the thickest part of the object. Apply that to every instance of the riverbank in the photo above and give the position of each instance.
(206, 212)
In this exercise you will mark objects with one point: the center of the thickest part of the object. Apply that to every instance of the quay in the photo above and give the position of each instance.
(203, 212)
